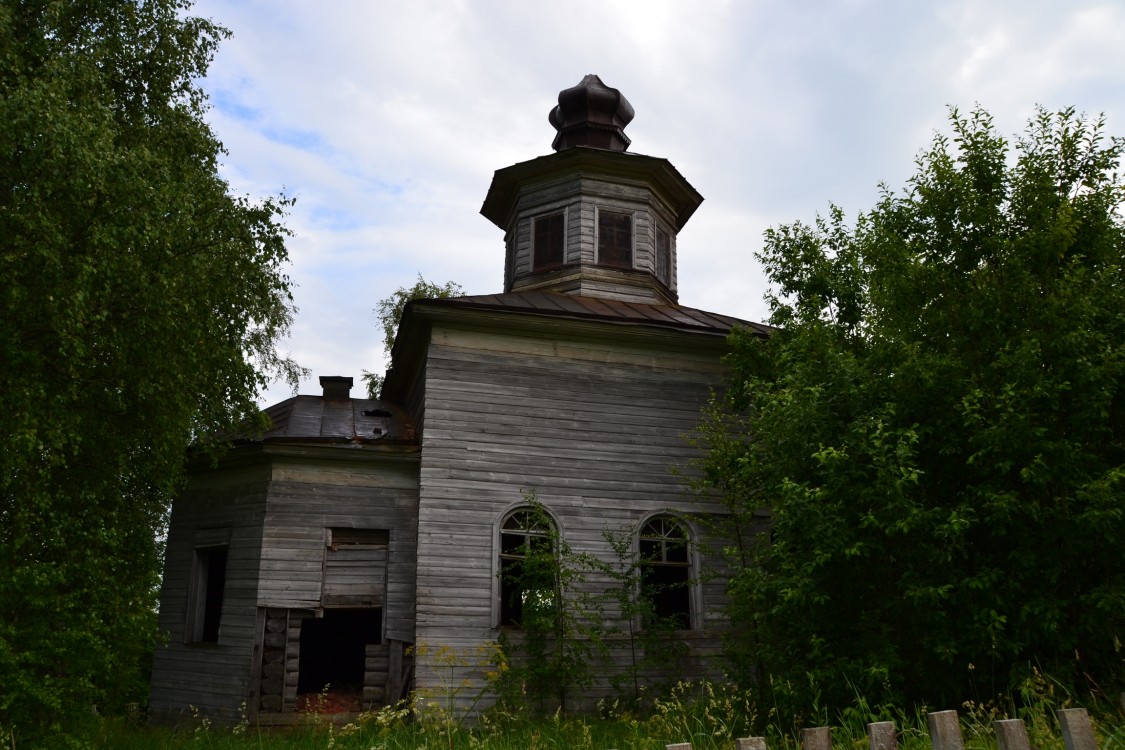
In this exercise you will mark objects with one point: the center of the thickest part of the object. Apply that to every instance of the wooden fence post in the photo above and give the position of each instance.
(678, 746)
(1077, 732)
(881, 735)
(816, 738)
(750, 743)
(945, 730)
(1011, 734)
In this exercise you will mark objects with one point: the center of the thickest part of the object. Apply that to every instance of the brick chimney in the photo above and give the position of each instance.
(336, 387)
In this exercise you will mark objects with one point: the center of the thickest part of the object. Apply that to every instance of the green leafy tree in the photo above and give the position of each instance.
(139, 311)
(389, 312)
(938, 429)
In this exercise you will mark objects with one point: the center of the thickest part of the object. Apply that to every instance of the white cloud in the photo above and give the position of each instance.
(386, 120)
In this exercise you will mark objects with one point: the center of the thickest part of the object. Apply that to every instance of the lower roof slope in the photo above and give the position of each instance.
(608, 310)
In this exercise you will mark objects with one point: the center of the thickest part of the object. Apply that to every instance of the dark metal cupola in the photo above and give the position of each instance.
(592, 219)
(591, 114)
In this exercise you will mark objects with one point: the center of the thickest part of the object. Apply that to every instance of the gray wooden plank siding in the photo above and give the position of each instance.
(371, 495)
(214, 677)
(276, 521)
(594, 432)
(581, 200)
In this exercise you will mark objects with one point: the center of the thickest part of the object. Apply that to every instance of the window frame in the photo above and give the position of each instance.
(204, 614)
(536, 266)
(499, 555)
(632, 216)
(664, 278)
(691, 565)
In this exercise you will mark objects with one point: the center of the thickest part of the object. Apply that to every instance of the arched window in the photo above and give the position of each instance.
(666, 571)
(527, 565)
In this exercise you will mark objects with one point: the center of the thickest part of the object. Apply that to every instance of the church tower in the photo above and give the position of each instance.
(591, 219)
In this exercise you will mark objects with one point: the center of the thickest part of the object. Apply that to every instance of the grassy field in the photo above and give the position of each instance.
(708, 717)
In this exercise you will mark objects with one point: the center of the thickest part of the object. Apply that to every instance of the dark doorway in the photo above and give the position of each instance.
(332, 649)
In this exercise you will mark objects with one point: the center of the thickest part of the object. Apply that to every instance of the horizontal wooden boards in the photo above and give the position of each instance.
(594, 430)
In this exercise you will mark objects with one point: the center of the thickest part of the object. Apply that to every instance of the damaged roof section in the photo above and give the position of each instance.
(335, 417)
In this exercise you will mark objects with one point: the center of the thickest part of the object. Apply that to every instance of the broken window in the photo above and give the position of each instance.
(205, 594)
(527, 565)
(666, 571)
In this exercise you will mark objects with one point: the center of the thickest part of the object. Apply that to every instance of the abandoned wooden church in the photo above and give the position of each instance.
(320, 552)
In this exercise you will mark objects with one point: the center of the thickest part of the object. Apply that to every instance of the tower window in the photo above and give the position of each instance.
(663, 257)
(549, 239)
(615, 239)
(666, 571)
(526, 571)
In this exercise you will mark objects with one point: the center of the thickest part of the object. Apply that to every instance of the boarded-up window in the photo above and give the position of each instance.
(549, 240)
(526, 573)
(666, 571)
(615, 239)
(663, 256)
(205, 594)
(355, 568)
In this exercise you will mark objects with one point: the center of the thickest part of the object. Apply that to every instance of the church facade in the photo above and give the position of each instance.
(362, 542)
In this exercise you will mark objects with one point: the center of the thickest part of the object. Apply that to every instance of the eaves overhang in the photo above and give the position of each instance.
(503, 195)
(250, 453)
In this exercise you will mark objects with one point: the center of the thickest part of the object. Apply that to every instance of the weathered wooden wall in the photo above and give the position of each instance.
(309, 496)
(277, 513)
(581, 200)
(213, 677)
(594, 428)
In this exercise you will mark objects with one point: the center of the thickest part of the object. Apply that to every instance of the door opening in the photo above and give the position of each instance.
(332, 664)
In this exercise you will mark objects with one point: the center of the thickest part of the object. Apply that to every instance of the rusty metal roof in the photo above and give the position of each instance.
(353, 420)
(607, 310)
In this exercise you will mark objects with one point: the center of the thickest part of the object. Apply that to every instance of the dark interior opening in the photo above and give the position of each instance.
(332, 650)
(669, 595)
(213, 562)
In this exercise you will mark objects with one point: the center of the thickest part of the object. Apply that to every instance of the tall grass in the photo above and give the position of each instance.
(709, 716)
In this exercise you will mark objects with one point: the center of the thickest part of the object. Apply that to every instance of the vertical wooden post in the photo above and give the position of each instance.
(394, 673)
(1077, 732)
(750, 743)
(945, 730)
(1011, 734)
(881, 735)
(816, 738)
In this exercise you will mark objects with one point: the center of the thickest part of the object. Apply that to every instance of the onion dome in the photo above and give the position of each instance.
(591, 114)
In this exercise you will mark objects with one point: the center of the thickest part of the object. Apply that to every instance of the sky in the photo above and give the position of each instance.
(385, 120)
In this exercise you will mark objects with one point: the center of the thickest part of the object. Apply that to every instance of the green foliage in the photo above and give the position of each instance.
(139, 310)
(456, 684)
(553, 651)
(650, 641)
(709, 716)
(938, 430)
(389, 311)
